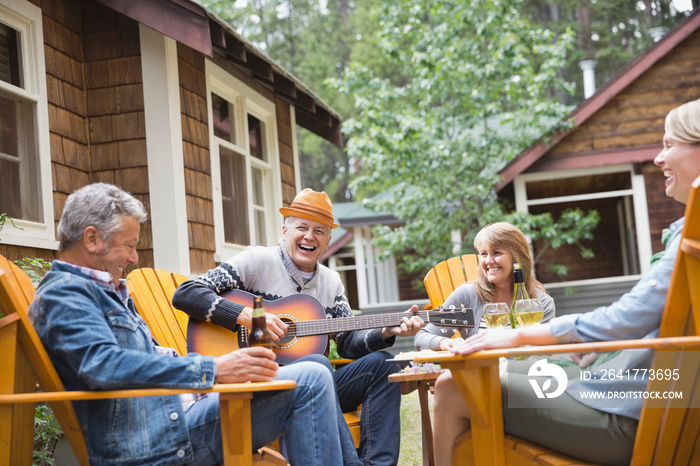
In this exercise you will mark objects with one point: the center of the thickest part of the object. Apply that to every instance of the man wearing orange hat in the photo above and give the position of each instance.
(292, 267)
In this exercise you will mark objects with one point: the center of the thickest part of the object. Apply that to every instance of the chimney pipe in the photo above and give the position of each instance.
(588, 68)
(658, 33)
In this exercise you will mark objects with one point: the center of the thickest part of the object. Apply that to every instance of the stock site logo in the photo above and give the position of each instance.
(551, 371)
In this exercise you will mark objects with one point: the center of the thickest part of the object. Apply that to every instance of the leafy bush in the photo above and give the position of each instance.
(35, 268)
(46, 434)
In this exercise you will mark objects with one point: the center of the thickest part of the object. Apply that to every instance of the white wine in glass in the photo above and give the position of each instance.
(528, 312)
(496, 315)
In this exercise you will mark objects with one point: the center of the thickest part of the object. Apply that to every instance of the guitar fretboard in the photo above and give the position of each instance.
(326, 326)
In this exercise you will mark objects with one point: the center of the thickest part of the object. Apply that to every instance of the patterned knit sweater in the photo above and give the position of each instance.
(270, 272)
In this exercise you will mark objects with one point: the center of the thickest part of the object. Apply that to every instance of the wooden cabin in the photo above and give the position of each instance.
(161, 98)
(605, 162)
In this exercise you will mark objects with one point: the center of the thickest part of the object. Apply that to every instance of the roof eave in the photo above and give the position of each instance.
(195, 26)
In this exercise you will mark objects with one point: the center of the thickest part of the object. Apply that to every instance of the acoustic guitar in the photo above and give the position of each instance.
(308, 326)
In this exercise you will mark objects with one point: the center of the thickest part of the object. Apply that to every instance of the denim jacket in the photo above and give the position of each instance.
(636, 314)
(97, 343)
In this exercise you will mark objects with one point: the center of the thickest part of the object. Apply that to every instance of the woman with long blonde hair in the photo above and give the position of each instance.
(499, 246)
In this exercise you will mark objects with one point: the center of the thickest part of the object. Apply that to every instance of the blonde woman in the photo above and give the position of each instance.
(499, 246)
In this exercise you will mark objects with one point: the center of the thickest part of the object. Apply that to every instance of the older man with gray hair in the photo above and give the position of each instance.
(97, 341)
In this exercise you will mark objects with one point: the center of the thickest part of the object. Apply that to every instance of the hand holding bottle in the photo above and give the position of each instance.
(259, 336)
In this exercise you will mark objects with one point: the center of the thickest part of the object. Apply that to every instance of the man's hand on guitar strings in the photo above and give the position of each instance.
(254, 364)
(409, 325)
(275, 326)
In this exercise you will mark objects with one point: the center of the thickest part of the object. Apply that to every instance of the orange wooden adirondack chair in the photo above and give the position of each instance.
(152, 291)
(667, 435)
(446, 276)
(24, 363)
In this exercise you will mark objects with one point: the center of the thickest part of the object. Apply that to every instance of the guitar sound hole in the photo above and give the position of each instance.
(290, 336)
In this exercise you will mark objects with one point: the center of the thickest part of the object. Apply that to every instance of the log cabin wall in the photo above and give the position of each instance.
(115, 108)
(635, 117)
(197, 159)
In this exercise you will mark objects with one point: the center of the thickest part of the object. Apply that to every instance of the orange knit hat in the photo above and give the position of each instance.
(311, 205)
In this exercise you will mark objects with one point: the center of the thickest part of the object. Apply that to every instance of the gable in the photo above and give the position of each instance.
(623, 121)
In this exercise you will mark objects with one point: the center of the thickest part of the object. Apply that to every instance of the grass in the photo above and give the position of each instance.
(411, 453)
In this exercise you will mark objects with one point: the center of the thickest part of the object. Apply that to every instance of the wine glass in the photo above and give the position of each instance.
(496, 315)
(528, 312)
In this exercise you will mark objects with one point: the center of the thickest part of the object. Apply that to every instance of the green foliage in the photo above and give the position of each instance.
(35, 267)
(46, 434)
(333, 350)
(474, 88)
(572, 226)
(4, 218)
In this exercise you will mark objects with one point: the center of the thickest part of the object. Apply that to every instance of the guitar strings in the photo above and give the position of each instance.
(320, 326)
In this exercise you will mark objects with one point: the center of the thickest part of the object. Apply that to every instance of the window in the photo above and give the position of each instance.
(245, 165)
(621, 240)
(25, 164)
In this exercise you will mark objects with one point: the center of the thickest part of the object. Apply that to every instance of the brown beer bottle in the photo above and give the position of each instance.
(259, 335)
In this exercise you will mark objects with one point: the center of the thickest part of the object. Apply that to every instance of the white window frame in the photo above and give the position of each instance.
(637, 191)
(246, 101)
(26, 19)
(377, 282)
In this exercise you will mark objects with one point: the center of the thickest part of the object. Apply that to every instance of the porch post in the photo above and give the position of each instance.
(166, 173)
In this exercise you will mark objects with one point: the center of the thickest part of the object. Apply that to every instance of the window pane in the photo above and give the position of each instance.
(10, 198)
(19, 172)
(224, 118)
(260, 228)
(9, 136)
(609, 244)
(258, 187)
(256, 136)
(259, 205)
(234, 198)
(9, 64)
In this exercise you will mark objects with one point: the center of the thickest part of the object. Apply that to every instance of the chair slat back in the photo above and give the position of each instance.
(449, 274)
(671, 434)
(31, 363)
(152, 291)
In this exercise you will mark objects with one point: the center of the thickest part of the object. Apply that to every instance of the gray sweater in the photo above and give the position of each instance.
(270, 272)
(430, 335)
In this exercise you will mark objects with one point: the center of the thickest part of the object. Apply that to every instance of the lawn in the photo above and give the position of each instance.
(411, 453)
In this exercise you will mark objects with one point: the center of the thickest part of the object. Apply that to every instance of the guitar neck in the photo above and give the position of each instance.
(327, 326)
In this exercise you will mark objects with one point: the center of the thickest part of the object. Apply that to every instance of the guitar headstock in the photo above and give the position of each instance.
(461, 317)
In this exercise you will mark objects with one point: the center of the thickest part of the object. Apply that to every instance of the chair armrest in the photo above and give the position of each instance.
(128, 393)
(601, 346)
(340, 362)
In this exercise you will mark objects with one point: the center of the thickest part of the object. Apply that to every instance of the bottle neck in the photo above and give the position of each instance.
(258, 309)
(518, 276)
